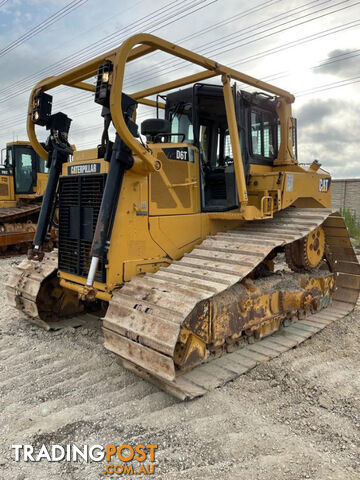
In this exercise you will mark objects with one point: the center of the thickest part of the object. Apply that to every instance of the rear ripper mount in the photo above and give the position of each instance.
(204, 307)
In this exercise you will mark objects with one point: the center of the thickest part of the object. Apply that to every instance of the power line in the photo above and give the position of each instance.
(311, 37)
(235, 17)
(323, 63)
(185, 11)
(227, 21)
(302, 23)
(82, 33)
(289, 45)
(329, 86)
(64, 61)
(63, 12)
(3, 3)
(174, 17)
(278, 75)
(203, 48)
(169, 71)
(242, 43)
(241, 14)
(100, 46)
(296, 43)
(251, 28)
(319, 35)
(301, 41)
(265, 53)
(172, 10)
(245, 60)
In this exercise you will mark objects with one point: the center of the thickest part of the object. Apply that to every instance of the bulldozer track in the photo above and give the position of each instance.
(143, 321)
(144, 317)
(218, 372)
(18, 225)
(24, 284)
(15, 213)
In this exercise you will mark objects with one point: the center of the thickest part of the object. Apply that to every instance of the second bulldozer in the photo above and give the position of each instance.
(23, 178)
(208, 248)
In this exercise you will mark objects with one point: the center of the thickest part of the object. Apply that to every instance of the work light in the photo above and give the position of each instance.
(42, 105)
(102, 89)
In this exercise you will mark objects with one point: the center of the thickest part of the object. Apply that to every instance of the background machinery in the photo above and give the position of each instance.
(23, 178)
(207, 238)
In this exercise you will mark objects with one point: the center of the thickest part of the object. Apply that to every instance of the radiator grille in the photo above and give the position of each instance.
(79, 204)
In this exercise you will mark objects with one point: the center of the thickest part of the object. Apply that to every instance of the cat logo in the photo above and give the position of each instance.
(324, 184)
(84, 169)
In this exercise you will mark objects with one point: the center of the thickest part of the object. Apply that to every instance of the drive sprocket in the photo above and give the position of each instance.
(307, 252)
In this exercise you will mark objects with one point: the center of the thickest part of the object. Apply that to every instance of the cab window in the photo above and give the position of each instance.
(8, 159)
(263, 134)
(205, 143)
(181, 124)
(42, 166)
(224, 150)
(227, 146)
(256, 137)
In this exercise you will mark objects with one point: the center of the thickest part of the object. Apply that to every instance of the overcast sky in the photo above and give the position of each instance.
(311, 48)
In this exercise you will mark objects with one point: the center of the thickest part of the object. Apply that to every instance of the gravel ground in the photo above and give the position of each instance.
(296, 417)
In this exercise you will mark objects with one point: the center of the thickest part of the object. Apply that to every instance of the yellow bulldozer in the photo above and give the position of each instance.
(203, 243)
(23, 178)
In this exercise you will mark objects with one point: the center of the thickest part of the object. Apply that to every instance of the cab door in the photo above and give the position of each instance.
(24, 163)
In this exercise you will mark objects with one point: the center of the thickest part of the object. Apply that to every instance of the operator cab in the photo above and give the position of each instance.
(197, 116)
(24, 163)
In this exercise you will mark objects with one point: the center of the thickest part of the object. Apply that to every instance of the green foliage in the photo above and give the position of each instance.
(352, 225)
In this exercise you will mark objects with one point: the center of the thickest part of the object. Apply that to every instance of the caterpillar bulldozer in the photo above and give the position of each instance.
(23, 178)
(207, 248)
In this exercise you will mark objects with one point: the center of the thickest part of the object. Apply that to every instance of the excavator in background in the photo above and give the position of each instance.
(206, 249)
(23, 179)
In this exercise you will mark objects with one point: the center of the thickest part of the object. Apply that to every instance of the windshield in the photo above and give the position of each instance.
(181, 124)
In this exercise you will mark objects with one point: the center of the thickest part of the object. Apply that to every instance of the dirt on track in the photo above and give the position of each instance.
(295, 417)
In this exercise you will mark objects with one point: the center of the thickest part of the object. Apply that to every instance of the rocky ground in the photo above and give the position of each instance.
(296, 417)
